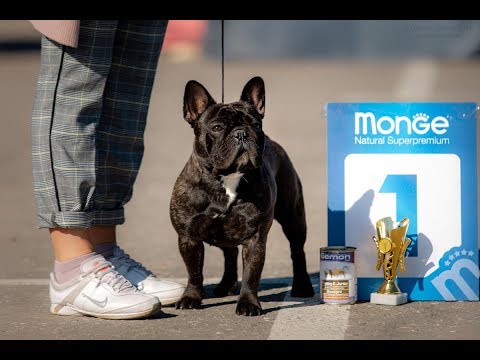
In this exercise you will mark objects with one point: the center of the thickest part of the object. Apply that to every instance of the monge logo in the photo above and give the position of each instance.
(457, 266)
(367, 124)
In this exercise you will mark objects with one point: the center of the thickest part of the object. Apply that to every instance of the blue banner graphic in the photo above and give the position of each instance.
(415, 160)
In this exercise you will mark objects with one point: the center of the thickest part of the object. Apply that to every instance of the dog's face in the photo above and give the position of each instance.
(228, 137)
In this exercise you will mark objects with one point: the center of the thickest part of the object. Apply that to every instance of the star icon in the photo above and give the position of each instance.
(447, 263)
(464, 252)
(470, 253)
(451, 257)
(457, 253)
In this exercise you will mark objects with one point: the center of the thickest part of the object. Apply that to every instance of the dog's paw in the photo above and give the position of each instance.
(302, 288)
(225, 288)
(248, 309)
(187, 302)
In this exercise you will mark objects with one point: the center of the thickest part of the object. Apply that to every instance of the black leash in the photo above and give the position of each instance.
(223, 65)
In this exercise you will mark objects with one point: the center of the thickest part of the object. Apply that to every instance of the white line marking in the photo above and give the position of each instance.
(310, 321)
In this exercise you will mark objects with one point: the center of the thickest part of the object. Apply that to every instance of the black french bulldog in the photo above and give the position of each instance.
(235, 183)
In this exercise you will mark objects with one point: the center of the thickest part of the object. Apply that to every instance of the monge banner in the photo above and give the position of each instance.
(407, 160)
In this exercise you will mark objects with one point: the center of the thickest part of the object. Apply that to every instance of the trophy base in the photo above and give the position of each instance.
(388, 299)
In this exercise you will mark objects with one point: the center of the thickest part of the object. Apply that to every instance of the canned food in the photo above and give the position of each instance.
(338, 280)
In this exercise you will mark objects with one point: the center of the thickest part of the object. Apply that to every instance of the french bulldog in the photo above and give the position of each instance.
(234, 184)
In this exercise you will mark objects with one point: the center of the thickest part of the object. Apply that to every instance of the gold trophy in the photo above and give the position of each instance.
(391, 242)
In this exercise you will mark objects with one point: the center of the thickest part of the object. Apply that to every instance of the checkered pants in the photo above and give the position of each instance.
(88, 121)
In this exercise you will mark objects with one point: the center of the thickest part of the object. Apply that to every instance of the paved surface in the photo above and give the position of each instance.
(296, 95)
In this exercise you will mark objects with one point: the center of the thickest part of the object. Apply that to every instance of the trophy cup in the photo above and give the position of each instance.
(391, 242)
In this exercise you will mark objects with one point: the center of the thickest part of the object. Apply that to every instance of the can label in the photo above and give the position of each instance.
(338, 281)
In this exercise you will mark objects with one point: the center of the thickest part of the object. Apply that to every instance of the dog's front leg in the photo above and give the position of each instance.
(253, 256)
(193, 254)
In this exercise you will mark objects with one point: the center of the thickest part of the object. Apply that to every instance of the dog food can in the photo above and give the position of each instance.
(338, 280)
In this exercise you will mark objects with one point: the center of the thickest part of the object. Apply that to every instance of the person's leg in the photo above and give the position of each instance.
(120, 132)
(136, 51)
(122, 124)
(104, 239)
(67, 109)
(120, 145)
(68, 106)
(70, 243)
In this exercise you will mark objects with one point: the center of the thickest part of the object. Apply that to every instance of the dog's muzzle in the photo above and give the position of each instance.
(240, 136)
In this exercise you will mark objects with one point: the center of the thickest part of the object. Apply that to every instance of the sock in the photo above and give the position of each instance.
(105, 249)
(66, 270)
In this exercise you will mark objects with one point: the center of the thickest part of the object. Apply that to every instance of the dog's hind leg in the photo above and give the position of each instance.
(290, 213)
(228, 285)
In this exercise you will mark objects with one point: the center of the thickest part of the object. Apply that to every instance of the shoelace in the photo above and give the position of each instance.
(108, 275)
(122, 257)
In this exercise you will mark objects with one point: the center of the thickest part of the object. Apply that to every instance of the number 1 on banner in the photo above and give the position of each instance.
(405, 188)
(423, 187)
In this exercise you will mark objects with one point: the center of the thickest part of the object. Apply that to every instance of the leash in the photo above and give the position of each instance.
(223, 64)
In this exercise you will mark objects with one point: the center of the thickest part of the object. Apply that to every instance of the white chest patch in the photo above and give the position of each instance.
(230, 184)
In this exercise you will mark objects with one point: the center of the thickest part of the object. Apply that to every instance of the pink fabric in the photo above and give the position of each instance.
(63, 31)
(66, 270)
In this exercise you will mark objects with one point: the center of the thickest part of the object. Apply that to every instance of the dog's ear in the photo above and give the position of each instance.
(254, 94)
(195, 101)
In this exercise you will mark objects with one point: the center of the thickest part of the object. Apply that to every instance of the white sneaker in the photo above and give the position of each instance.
(168, 292)
(100, 291)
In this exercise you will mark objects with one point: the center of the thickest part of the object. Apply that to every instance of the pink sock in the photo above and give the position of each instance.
(66, 270)
(105, 249)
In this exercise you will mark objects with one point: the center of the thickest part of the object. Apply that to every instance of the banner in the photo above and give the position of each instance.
(415, 160)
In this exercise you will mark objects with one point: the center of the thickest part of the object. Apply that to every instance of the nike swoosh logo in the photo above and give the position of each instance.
(101, 304)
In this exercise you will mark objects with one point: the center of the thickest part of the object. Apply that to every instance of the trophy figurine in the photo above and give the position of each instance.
(391, 242)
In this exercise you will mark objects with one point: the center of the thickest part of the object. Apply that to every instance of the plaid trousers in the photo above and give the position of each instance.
(88, 121)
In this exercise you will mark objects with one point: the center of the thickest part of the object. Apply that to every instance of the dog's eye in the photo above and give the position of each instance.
(257, 126)
(217, 128)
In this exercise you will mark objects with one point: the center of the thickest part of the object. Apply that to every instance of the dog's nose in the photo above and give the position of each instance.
(240, 135)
